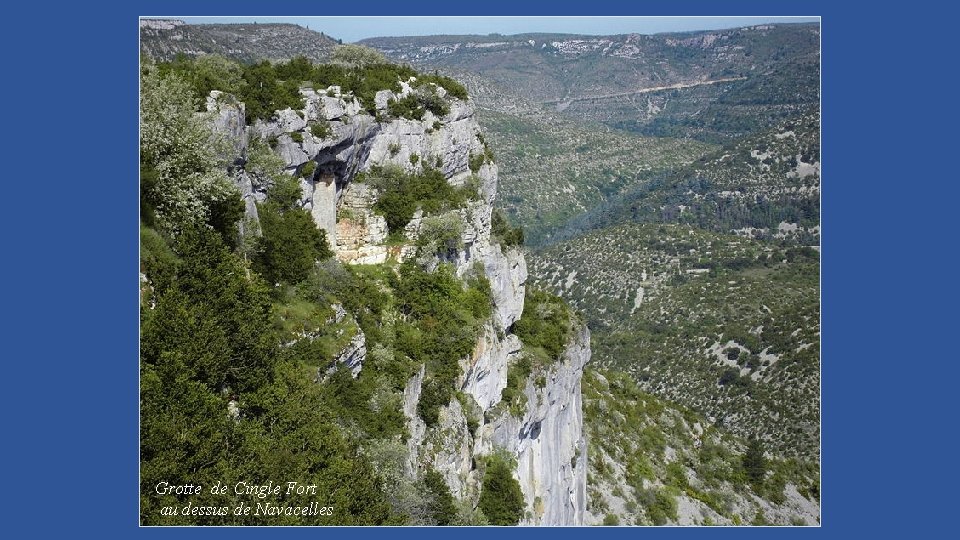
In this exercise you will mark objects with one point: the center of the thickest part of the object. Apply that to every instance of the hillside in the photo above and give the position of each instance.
(713, 86)
(555, 170)
(764, 186)
(537, 279)
(163, 39)
(655, 463)
(724, 325)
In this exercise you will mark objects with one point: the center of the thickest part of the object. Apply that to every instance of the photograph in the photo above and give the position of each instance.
(479, 271)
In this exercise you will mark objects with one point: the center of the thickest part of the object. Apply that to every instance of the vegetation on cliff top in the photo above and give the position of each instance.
(401, 193)
(265, 87)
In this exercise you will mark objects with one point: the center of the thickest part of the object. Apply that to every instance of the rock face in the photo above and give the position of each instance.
(486, 375)
(547, 439)
(355, 142)
(354, 354)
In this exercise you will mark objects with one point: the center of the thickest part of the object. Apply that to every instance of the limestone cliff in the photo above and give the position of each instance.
(548, 439)
(327, 144)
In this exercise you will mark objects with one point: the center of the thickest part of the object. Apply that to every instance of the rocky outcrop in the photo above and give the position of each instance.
(415, 425)
(327, 144)
(350, 141)
(508, 277)
(548, 440)
(485, 375)
(353, 355)
(360, 232)
(448, 449)
(229, 121)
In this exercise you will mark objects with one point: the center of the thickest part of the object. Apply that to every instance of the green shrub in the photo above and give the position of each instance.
(414, 105)
(442, 506)
(512, 394)
(442, 233)
(611, 519)
(663, 507)
(285, 193)
(263, 91)
(408, 107)
(157, 260)
(476, 161)
(676, 476)
(266, 87)
(184, 174)
(308, 168)
(401, 193)
(358, 56)
(754, 463)
(321, 129)
(500, 497)
(478, 298)
(297, 137)
(452, 87)
(206, 73)
(290, 243)
(440, 333)
(545, 323)
(502, 232)
(433, 395)
(414, 159)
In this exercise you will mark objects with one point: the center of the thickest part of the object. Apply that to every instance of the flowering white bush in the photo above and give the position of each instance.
(180, 146)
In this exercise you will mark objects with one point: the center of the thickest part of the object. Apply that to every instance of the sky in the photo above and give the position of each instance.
(351, 29)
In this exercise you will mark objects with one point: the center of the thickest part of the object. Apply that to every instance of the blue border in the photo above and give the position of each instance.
(72, 280)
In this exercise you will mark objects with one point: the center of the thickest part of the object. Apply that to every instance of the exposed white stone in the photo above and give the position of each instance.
(228, 120)
(382, 99)
(323, 207)
(507, 273)
(290, 121)
(485, 372)
(354, 353)
(548, 440)
(415, 425)
(291, 152)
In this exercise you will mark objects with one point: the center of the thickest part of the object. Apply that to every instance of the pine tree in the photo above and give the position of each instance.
(501, 499)
(753, 461)
(443, 508)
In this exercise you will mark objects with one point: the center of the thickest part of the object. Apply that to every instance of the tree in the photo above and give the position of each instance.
(501, 498)
(290, 244)
(184, 175)
(357, 56)
(754, 464)
(210, 296)
(442, 505)
(263, 92)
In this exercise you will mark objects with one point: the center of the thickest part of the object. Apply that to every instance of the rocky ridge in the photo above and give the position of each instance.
(547, 439)
(163, 39)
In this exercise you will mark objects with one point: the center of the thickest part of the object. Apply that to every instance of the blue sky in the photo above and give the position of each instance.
(351, 29)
